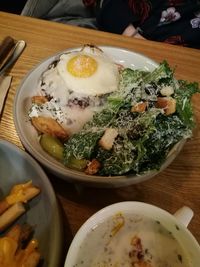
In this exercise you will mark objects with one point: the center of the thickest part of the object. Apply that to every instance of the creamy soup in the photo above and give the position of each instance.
(131, 241)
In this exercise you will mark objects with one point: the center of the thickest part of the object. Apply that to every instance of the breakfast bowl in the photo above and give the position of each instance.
(41, 213)
(135, 234)
(78, 125)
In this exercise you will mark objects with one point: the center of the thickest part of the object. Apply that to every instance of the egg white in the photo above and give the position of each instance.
(104, 80)
(53, 86)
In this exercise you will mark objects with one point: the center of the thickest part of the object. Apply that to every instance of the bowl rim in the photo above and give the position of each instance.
(72, 175)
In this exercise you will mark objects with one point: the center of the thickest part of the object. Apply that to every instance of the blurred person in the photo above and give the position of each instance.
(11, 6)
(71, 12)
(170, 21)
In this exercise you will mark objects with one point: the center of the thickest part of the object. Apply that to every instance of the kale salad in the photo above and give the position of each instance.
(138, 126)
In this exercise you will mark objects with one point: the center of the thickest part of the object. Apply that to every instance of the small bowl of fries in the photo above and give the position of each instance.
(30, 223)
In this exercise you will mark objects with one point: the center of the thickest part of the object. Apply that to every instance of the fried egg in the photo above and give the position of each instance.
(88, 71)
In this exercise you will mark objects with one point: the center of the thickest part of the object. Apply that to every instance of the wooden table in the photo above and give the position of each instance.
(178, 185)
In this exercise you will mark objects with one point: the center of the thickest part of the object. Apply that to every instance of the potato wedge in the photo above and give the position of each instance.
(48, 125)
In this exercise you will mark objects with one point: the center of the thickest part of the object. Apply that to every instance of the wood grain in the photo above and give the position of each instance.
(178, 185)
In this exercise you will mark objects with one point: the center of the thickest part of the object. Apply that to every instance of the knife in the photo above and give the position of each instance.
(16, 52)
(5, 82)
(5, 47)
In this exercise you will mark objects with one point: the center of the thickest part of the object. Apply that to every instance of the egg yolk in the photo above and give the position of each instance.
(82, 66)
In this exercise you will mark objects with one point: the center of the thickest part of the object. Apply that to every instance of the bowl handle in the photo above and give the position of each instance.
(184, 215)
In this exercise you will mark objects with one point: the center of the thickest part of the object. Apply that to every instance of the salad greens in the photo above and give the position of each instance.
(144, 138)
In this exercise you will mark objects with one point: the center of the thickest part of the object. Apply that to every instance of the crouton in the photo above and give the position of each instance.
(167, 91)
(168, 104)
(107, 140)
(93, 167)
(49, 126)
(139, 107)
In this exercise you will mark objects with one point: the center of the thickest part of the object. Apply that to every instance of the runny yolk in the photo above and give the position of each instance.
(82, 66)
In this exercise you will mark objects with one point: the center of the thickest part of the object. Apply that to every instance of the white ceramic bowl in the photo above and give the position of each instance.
(29, 136)
(16, 166)
(175, 225)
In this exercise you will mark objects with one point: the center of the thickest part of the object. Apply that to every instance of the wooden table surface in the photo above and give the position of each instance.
(175, 187)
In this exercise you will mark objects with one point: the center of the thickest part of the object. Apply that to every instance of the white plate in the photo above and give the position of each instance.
(16, 166)
(29, 136)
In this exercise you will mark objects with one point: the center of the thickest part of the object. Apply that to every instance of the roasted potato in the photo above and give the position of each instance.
(49, 126)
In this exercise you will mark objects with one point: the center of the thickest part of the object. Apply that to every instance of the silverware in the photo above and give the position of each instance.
(16, 52)
(5, 82)
(6, 45)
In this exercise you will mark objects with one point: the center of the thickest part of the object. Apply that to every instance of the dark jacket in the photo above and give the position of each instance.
(172, 21)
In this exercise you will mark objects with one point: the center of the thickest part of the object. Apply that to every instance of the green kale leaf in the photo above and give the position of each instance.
(183, 96)
(128, 149)
(169, 131)
(163, 74)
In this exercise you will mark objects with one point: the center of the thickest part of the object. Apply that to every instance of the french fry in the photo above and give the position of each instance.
(11, 251)
(26, 233)
(10, 215)
(32, 260)
(30, 256)
(14, 233)
(22, 193)
(19, 193)
(4, 205)
(11, 207)
(20, 233)
(14, 250)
